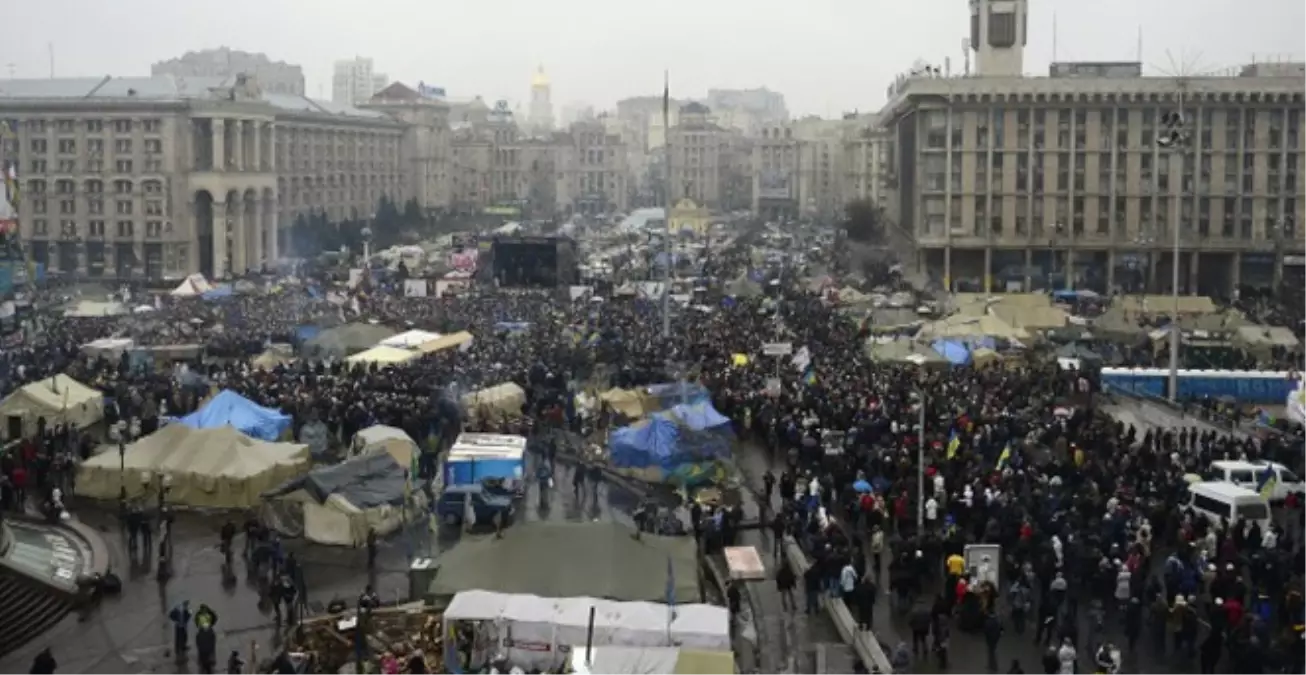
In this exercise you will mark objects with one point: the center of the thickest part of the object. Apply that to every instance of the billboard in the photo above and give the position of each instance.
(430, 91)
(774, 184)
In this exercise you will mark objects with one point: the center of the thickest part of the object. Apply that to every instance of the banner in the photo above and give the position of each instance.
(774, 184)
(464, 261)
(415, 288)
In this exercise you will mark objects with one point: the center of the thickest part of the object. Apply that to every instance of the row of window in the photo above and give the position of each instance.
(94, 146)
(938, 139)
(73, 166)
(95, 206)
(67, 186)
(1204, 118)
(92, 126)
(125, 229)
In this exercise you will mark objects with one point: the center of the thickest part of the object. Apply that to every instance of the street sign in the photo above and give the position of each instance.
(773, 386)
(778, 348)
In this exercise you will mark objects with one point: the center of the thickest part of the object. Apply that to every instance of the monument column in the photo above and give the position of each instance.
(218, 131)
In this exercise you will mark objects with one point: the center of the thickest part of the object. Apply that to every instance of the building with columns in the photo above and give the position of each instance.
(161, 177)
(709, 164)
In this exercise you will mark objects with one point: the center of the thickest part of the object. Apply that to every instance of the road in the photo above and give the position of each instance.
(1146, 415)
(130, 633)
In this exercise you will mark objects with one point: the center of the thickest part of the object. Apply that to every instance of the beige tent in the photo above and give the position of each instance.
(971, 326)
(444, 342)
(383, 356)
(984, 357)
(59, 399)
(272, 357)
(632, 404)
(381, 438)
(216, 468)
(1031, 317)
(1165, 304)
(506, 398)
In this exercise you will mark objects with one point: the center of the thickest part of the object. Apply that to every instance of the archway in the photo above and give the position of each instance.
(204, 232)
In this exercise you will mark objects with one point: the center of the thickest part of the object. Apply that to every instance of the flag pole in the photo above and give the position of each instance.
(666, 236)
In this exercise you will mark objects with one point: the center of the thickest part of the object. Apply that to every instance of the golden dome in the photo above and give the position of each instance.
(540, 79)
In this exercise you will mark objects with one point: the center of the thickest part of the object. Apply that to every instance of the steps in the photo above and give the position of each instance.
(30, 609)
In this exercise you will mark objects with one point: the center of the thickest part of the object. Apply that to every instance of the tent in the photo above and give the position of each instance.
(568, 559)
(218, 292)
(383, 356)
(231, 409)
(621, 660)
(503, 399)
(272, 357)
(348, 339)
(393, 441)
(629, 402)
(956, 353)
(532, 630)
(217, 468)
(409, 339)
(444, 342)
(337, 505)
(961, 326)
(191, 286)
(674, 445)
(89, 308)
(902, 351)
(58, 399)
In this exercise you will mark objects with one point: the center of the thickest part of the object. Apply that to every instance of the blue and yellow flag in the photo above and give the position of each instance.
(809, 377)
(954, 444)
(1266, 482)
(1005, 457)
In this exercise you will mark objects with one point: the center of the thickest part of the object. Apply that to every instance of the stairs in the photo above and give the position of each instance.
(30, 608)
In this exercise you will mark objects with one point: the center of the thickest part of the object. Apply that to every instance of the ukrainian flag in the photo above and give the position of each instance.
(1004, 457)
(809, 377)
(954, 444)
(1266, 482)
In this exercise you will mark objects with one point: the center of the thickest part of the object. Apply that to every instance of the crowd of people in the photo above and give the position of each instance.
(1087, 512)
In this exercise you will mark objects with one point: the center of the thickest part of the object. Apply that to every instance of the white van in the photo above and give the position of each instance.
(1248, 475)
(1218, 500)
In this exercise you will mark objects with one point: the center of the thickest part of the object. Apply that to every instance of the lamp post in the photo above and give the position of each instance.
(1173, 138)
(920, 460)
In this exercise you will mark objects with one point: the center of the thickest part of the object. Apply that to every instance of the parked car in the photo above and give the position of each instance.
(458, 502)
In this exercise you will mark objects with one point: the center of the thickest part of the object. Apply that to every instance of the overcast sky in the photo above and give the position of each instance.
(826, 56)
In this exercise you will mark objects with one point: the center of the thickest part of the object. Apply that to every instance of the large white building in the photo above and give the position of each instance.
(274, 77)
(162, 177)
(354, 81)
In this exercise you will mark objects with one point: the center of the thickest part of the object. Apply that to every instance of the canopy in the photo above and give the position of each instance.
(902, 351)
(231, 409)
(631, 403)
(89, 308)
(272, 357)
(382, 356)
(444, 342)
(393, 441)
(58, 399)
(506, 399)
(956, 353)
(220, 468)
(1165, 304)
(337, 505)
(565, 559)
(191, 286)
(959, 326)
(349, 338)
(218, 292)
(409, 339)
(621, 660)
(684, 434)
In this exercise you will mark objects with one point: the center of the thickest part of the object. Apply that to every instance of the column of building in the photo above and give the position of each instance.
(219, 235)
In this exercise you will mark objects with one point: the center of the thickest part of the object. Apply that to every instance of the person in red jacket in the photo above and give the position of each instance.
(1233, 608)
(19, 479)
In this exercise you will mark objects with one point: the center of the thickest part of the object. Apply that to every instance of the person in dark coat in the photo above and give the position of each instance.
(44, 663)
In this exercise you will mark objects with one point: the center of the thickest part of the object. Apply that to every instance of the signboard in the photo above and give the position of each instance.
(984, 560)
(428, 91)
(1294, 260)
(774, 184)
(778, 349)
(773, 386)
(832, 442)
(464, 261)
(415, 288)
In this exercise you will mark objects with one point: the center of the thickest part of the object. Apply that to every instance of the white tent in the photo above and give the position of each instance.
(1296, 404)
(531, 620)
(381, 438)
(218, 467)
(89, 308)
(409, 340)
(59, 399)
(506, 398)
(337, 505)
(383, 356)
(191, 286)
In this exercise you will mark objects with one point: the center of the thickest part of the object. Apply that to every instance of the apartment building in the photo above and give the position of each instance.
(706, 160)
(1013, 178)
(867, 164)
(160, 177)
(592, 170)
(354, 81)
(274, 77)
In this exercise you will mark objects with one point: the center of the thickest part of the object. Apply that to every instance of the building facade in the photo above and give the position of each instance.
(162, 177)
(867, 162)
(1019, 181)
(540, 118)
(708, 163)
(275, 77)
(355, 81)
(592, 170)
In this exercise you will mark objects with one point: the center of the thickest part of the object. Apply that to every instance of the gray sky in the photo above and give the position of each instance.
(826, 56)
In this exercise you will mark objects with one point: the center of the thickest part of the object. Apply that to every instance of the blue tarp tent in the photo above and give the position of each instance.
(955, 352)
(674, 393)
(218, 292)
(248, 417)
(683, 435)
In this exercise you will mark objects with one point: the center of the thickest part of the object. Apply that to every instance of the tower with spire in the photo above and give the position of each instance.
(540, 116)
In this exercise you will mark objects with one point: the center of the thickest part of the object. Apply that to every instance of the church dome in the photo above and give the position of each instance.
(540, 79)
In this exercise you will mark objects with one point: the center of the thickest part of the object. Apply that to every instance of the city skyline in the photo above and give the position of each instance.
(823, 38)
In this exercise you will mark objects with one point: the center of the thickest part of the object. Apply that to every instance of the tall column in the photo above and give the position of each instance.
(257, 129)
(260, 233)
(988, 269)
(947, 268)
(239, 237)
(220, 240)
(272, 147)
(238, 145)
(1069, 269)
(218, 131)
(1236, 272)
(1110, 271)
(1029, 264)
(274, 246)
(1193, 272)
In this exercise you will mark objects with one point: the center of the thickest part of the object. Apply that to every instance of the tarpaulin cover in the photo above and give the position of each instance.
(230, 408)
(955, 352)
(306, 332)
(364, 481)
(683, 435)
(671, 393)
(218, 292)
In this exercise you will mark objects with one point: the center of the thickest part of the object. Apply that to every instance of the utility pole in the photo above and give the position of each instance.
(920, 465)
(1174, 139)
(666, 236)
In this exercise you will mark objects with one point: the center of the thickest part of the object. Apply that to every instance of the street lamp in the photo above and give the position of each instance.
(1174, 137)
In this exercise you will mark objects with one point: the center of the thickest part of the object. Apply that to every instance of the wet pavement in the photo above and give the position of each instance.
(1146, 415)
(130, 632)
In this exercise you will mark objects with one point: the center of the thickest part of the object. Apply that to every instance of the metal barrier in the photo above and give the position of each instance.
(863, 642)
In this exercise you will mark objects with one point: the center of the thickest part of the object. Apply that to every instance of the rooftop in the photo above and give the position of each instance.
(166, 89)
